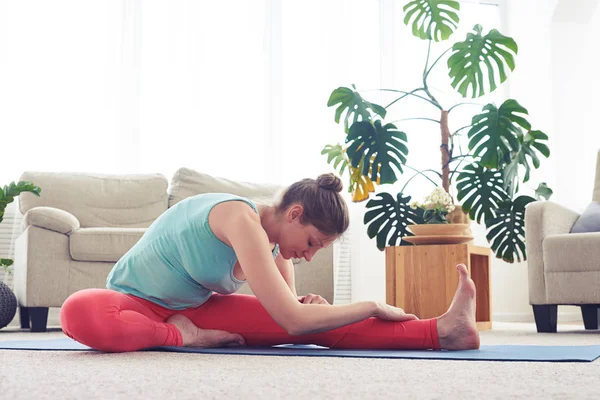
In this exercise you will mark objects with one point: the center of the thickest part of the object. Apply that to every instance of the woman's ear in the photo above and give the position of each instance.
(295, 212)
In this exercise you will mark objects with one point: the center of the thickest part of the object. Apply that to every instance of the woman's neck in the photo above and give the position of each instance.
(269, 222)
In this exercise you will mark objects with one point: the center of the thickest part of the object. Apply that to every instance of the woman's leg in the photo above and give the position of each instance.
(111, 321)
(243, 314)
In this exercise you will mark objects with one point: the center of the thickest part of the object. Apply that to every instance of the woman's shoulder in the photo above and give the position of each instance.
(229, 215)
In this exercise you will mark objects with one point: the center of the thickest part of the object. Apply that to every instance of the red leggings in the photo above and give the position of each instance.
(115, 322)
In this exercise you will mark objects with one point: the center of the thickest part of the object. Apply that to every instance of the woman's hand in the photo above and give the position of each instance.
(391, 313)
(312, 299)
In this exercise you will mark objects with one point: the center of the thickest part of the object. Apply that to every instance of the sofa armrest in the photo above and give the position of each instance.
(543, 219)
(52, 218)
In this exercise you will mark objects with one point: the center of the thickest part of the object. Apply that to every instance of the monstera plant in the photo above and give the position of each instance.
(502, 146)
(7, 196)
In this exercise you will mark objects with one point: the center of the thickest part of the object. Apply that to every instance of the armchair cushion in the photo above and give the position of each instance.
(574, 252)
(52, 218)
(589, 220)
(103, 244)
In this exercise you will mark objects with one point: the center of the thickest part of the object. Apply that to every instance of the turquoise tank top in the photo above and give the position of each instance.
(179, 262)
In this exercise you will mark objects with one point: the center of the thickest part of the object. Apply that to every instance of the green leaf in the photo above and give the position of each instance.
(481, 191)
(527, 151)
(6, 262)
(336, 154)
(387, 219)
(432, 19)
(495, 132)
(506, 231)
(531, 143)
(510, 177)
(543, 191)
(351, 101)
(385, 143)
(493, 50)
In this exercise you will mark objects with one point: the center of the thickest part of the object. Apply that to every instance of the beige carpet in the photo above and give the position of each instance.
(145, 375)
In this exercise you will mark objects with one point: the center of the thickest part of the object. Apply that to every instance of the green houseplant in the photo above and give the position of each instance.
(501, 143)
(7, 196)
(8, 301)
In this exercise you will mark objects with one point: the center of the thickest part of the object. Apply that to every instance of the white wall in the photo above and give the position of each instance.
(557, 80)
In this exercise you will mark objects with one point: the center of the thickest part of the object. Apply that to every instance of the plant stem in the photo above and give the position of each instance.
(463, 104)
(425, 73)
(446, 156)
(411, 93)
(419, 118)
(435, 62)
(418, 173)
(460, 129)
(456, 169)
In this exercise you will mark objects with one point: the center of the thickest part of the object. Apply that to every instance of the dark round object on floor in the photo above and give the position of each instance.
(8, 305)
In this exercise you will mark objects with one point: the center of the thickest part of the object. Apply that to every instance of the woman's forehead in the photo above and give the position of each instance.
(323, 239)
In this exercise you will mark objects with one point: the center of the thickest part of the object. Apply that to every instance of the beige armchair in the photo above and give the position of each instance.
(83, 223)
(564, 268)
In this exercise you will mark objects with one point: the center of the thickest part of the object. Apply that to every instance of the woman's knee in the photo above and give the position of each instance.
(82, 314)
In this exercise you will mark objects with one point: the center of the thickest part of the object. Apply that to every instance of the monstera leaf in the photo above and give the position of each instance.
(385, 143)
(532, 142)
(351, 101)
(543, 191)
(388, 218)
(433, 19)
(506, 230)
(481, 190)
(529, 143)
(336, 154)
(360, 185)
(495, 132)
(494, 50)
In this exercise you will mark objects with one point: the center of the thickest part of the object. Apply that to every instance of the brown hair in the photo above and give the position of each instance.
(323, 204)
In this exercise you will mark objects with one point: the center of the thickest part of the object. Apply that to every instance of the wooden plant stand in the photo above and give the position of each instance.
(422, 279)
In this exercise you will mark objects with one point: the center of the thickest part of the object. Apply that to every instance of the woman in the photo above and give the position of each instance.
(174, 287)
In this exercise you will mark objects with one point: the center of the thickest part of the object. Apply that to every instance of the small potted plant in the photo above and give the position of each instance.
(435, 207)
(434, 211)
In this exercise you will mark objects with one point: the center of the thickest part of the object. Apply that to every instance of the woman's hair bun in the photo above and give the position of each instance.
(330, 181)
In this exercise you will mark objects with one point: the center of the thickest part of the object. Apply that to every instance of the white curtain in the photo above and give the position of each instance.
(233, 88)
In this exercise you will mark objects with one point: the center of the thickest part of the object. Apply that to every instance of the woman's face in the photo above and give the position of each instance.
(300, 241)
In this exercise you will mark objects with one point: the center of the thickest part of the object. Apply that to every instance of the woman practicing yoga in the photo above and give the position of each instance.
(175, 286)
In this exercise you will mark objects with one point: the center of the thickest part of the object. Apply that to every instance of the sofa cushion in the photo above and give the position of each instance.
(187, 182)
(96, 200)
(589, 220)
(103, 244)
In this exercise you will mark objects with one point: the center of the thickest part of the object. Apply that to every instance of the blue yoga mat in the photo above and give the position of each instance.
(485, 353)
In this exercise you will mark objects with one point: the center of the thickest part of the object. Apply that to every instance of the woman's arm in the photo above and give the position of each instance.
(244, 232)
(286, 269)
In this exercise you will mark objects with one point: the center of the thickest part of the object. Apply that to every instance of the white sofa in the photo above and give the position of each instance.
(564, 268)
(83, 223)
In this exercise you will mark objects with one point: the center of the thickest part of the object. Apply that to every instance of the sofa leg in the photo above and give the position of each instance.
(590, 315)
(39, 318)
(545, 317)
(24, 317)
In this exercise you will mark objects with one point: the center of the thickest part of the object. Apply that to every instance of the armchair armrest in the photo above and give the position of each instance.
(53, 219)
(543, 219)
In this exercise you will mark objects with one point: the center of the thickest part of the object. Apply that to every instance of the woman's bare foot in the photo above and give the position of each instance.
(457, 329)
(193, 336)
